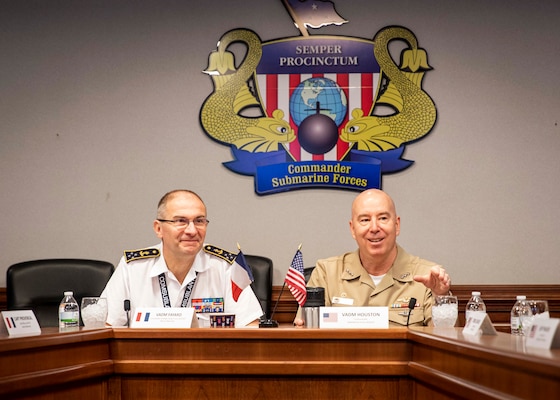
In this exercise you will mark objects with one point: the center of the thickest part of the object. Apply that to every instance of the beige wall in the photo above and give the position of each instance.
(99, 106)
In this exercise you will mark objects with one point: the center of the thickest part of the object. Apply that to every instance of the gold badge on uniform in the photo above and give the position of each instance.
(221, 253)
(132, 255)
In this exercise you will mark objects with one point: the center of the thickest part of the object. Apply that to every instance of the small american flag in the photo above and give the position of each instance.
(330, 317)
(296, 280)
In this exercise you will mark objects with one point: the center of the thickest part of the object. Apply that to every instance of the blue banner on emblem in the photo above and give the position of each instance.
(311, 174)
(246, 163)
(390, 160)
(274, 174)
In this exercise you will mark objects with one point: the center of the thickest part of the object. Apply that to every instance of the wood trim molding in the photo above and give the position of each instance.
(3, 299)
(498, 299)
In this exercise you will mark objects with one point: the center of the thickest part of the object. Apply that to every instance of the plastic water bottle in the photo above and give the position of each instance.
(475, 304)
(519, 312)
(68, 313)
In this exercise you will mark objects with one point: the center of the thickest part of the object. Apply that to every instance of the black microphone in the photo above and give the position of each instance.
(269, 322)
(127, 310)
(411, 305)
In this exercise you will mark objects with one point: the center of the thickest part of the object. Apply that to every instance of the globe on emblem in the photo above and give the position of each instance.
(304, 99)
(318, 133)
(318, 107)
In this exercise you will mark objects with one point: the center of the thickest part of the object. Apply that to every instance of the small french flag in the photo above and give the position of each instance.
(241, 275)
(139, 317)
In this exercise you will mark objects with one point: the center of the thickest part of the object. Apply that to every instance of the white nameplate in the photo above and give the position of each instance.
(162, 317)
(544, 333)
(342, 300)
(354, 317)
(479, 322)
(21, 322)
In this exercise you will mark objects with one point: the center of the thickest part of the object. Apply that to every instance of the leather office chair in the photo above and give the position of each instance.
(307, 273)
(262, 269)
(39, 285)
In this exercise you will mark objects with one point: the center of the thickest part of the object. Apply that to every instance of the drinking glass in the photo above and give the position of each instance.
(538, 309)
(445, 311)
(94, 312)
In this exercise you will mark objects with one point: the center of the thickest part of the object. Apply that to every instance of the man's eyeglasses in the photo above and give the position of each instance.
(181, 223)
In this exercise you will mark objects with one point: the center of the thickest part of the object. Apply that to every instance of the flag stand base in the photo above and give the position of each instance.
(268, 323)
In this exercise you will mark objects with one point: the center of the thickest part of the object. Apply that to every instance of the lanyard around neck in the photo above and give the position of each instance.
(165, 293)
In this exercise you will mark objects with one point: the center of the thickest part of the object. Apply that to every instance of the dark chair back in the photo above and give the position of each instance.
(39, 285)
(307, 273)
(262, 269)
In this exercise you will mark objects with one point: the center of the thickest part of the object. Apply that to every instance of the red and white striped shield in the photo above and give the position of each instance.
(358, 79)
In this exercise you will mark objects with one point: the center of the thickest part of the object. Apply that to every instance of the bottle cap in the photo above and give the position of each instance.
(69, 293)
(475, 293)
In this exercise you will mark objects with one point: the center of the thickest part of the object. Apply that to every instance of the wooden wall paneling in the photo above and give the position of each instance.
(74, 366)
(499, 300)
(483, 367)
(284, 363)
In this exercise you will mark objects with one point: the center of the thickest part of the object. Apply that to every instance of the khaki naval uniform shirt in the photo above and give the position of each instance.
(347, 283)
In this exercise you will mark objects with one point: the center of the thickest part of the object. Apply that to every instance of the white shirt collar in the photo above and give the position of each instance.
(201, 264)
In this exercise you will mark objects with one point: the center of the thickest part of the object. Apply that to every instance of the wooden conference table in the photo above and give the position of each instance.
(283, 363)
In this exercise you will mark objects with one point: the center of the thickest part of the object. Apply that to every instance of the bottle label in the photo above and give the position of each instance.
(69, 316)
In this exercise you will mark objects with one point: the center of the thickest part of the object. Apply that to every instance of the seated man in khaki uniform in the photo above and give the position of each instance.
(379, 272)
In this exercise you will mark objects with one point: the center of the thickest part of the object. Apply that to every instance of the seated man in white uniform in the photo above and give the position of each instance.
(179, 269)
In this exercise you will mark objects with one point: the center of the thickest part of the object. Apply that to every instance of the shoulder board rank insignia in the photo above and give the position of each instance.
(132, 255)
(223, 254)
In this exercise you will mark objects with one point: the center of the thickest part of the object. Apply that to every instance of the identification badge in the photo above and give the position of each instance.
(345, 301)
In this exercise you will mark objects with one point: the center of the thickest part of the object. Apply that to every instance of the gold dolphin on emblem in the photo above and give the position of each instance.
(415, 111)
(221, 114)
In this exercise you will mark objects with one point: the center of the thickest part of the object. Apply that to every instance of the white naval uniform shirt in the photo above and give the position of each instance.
(138, 282)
